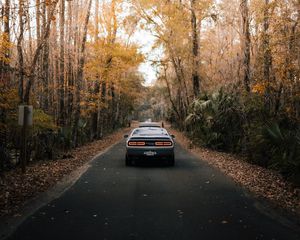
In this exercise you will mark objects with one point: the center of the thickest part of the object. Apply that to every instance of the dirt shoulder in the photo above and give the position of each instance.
(16, 188)
(264, 183)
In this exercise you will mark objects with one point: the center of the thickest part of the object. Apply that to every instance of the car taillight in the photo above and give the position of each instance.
(163, 144)
(136, 143)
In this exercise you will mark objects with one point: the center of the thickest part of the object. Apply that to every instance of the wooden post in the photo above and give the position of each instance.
(23, 156)
(25, 120)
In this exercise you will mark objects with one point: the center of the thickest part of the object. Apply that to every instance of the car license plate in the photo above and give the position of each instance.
(150, 153)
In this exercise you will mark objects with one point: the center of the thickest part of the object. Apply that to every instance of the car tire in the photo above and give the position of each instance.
(128, 161)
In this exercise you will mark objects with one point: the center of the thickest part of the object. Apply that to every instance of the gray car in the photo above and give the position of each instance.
(150, 144)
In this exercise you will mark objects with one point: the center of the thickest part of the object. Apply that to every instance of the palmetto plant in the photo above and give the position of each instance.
(230, 121)
(284, 147)
(216, 120)
(200, 118)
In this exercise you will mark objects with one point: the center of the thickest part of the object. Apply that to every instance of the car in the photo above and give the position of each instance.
(150, 144)
(149, 124)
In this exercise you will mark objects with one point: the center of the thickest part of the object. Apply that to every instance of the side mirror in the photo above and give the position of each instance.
(173, 136)
(126, 136)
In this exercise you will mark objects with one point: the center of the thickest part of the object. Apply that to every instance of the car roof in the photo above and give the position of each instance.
(149, 124)
(149, 131)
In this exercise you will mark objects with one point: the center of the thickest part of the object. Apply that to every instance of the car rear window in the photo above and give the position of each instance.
(150, 131)
(149, 125)
(154, 126)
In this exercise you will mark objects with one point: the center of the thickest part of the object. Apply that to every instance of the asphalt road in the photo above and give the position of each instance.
(189, 201)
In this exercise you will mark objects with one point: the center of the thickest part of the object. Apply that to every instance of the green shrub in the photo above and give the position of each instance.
(283, 146)
(216, 120)
(232, 121)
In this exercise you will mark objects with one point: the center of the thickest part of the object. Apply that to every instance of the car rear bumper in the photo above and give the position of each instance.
(150, 153)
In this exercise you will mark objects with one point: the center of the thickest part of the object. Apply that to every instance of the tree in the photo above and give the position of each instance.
(80, 74)
(5, 45)
(62, 64)
(195, 43)
(267, 53)
(246, 42)
(24, 90)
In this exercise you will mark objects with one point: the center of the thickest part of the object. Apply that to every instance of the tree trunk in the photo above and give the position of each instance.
(101, 118)
(267, 55)
(5, 65)
(20, 51)
(195, 51)
(61, 114)
(70, 75)
(37, 53)
(112, 41)
(246, 42)
(45, 61)
(38, 17)
(80, 75)
(170, 95)
(297, 101)
(96, 92)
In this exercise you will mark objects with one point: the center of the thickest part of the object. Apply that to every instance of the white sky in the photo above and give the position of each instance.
(146, 40)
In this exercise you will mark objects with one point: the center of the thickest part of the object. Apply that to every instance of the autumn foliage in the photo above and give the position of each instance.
(75, 63)
(246, 55)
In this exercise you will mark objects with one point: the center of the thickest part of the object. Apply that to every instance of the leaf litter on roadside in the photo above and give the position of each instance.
(262, 182)
(17, 188)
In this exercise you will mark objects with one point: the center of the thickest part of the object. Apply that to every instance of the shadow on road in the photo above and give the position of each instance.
(153, 164)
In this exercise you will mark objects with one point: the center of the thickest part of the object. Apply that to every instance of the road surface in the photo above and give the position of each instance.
(189, 201)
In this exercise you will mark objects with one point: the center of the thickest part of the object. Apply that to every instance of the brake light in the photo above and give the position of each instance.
(163, 143)
(136, 143)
